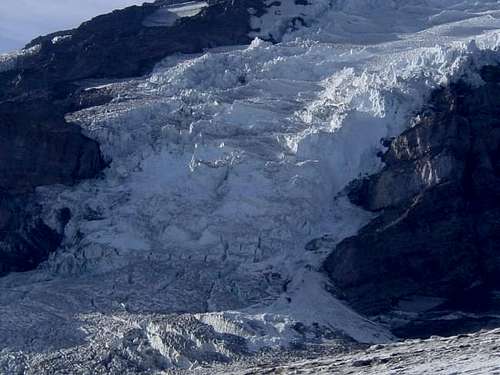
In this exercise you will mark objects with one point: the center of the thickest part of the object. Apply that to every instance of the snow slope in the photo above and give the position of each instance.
(191, 246)
(464, 354)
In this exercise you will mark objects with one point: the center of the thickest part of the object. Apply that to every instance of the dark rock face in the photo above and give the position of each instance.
(38, 148)
(438, 234)
(25, 240)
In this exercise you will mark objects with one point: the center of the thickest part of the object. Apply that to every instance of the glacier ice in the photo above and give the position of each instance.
(223, 166)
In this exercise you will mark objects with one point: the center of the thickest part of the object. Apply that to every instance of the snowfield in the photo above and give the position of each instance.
(190, 248)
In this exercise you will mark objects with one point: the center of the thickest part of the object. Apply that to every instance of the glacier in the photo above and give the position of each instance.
(190, 248)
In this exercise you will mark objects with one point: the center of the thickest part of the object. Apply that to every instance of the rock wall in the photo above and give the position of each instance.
(438, 232)
(25, 240)
(38, 148)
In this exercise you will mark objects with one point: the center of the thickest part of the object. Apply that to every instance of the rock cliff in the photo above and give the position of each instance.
(438, 195)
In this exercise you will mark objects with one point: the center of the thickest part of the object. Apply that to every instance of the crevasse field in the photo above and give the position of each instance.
(190, 248)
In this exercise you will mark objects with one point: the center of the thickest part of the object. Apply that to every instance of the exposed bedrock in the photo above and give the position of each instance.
(25, 240)
(438, 232)
(38, 148)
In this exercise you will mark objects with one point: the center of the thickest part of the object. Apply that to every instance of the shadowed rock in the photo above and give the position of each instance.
(438, 234)
(25, 240)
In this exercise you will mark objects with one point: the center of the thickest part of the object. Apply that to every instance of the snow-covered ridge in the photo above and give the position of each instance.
(223, 167)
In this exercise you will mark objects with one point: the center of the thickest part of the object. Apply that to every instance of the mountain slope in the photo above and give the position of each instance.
(204, 239)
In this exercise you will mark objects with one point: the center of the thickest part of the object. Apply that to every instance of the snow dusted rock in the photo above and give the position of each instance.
(94, 49)
(37, 147)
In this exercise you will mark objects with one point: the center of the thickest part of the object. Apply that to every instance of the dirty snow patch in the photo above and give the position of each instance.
(168, 15)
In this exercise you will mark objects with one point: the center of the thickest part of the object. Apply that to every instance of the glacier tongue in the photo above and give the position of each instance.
(191, 247)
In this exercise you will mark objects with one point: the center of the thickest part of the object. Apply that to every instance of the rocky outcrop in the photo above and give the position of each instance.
(25, 240)
(438, 232)
(39, 148)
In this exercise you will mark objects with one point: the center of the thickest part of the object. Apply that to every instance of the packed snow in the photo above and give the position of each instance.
(190, 248)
